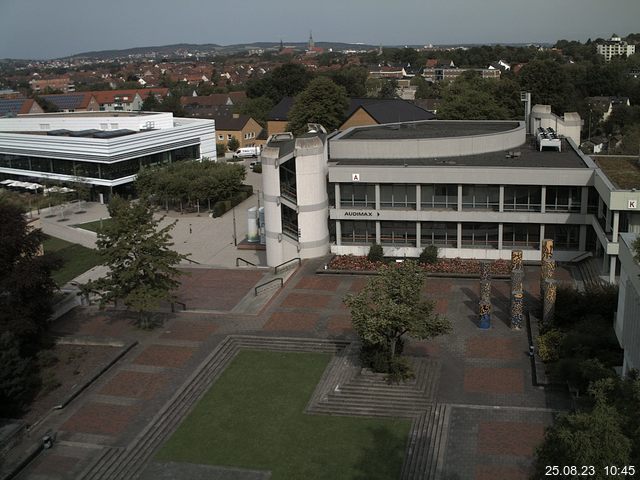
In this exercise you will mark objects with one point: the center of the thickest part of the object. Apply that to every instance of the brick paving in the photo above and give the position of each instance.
(101, 419)
(494, 380)
(292, 322)
(55, 465)
(190, 330)
(481, 370)
(135, 384)
(216, 289)
(509, 438)
(164, 356)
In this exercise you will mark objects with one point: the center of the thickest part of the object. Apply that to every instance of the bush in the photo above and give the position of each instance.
(429, 255)
(377, 358)
(257, 168)
(376, 253)
(572, 305)
(220, 149)
(549, 345)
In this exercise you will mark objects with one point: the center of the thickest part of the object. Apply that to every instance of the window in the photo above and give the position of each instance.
(481, 197)
(520, 198)
(220, 137)
(357, 195)
(480, 235)
(439, 234)
(563, 199)
(45, 126)
(565, 237)
(521, 235)
(229, 136)
(114, 126)
(289, 219)
(355, 232)
(400, 234)
(441, 197)
(399, 196)
(104, 126)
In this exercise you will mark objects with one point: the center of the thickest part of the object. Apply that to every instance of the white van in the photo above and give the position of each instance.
(247, 152)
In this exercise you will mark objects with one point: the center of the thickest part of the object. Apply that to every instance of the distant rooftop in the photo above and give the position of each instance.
(429, 129)
(624, 172)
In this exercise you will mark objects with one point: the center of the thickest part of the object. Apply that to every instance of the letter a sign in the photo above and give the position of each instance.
(355, 177)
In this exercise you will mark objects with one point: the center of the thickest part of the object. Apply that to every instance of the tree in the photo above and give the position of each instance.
(548, 83)
(285, 81)
(257, 108)
(18, 379)
(233, 144)
(470, 97)
(353, 78)
(142, 267)
(150, 104)
(321, 102)
(26, 287)
(388, 88)
(585, 438)
(389, 307)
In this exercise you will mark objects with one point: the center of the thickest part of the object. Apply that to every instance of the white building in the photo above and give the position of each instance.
(103, 149)
(615, 47)
(475, 189)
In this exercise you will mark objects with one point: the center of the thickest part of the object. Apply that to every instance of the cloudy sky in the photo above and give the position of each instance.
(55, 28)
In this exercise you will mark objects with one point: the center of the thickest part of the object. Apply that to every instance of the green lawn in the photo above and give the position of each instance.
(93, 226)
(253, 418)
(76, 259)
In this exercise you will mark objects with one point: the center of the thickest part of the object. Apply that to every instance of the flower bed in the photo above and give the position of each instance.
(443, 265)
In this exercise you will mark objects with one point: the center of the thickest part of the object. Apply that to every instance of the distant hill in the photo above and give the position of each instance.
(210, 48)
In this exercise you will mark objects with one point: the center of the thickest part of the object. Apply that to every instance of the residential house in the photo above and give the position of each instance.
(64, 84)
(244, 128)
(615, 47)
(73, 102)
(607, 105)
(12, 107)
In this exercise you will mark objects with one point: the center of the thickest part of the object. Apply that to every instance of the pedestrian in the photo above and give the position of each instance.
(190, 229)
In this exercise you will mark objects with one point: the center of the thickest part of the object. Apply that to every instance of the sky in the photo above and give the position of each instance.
(39, 29)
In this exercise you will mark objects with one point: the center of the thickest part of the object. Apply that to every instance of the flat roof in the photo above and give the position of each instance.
(529, 157)
(429, 129)
(87, 114)
(624, 172)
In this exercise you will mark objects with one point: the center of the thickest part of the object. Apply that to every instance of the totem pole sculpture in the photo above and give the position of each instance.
(517, 290)
(485, 295)
(547, 282)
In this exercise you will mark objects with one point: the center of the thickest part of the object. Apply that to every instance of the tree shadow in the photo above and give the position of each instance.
(384, 456)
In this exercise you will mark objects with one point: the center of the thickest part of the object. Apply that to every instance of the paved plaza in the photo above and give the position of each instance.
(495, 414)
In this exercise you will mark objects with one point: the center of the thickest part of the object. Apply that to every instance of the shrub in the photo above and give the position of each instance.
(257, 168)
(549, 345)
(220, 149)
(376, 253)
(429, 255)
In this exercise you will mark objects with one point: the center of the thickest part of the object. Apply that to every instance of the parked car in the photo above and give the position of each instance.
(252, 165)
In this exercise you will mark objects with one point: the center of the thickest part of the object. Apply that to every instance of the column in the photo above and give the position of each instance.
(459, 239)
(541, 235)
(543, 200)
(338, 233)
(418, 197)
(378, 199)
(616, 226)
(459, 199)
(607, 221)
(501, 199)
(582, 239)
(500, 237)
(378, 232)
(337, 194)
(600, 203)
(584, 201)
(418, 233)
(612, 269)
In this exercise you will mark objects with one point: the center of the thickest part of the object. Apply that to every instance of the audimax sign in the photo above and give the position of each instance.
(361, 213)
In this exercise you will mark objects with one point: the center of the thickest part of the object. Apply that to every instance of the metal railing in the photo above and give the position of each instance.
(240, 259)
(255, 290)
(297, 259)
(173, 306)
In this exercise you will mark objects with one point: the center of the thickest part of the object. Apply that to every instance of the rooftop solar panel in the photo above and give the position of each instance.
(65, 102)
(11, 106)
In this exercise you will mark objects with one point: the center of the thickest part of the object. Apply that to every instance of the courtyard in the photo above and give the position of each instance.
(195, 397)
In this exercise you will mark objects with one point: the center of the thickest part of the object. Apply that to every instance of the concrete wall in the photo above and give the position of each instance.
(627, 321)
(430, 147)
(83, 121)
(313, 201)
(70, 234)
(569, 125)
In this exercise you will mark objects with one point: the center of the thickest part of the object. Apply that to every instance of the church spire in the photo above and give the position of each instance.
(312, 44)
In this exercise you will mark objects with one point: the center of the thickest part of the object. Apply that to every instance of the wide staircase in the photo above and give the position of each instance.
(589, 269)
